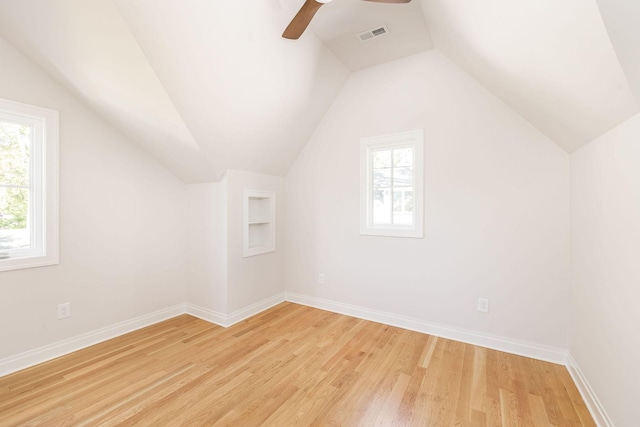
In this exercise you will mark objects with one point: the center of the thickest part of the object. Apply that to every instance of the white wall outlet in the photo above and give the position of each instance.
(321, 279)
(483, 305)
(64, 310)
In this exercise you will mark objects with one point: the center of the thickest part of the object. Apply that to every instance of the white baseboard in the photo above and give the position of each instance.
(253, 309)
(508, 345)
(30, 358)
(227, 320)
(209, 315)
(43, 354)
(590, 399)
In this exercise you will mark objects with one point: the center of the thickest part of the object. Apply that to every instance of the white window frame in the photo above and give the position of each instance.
(43, 186)
(413, 139)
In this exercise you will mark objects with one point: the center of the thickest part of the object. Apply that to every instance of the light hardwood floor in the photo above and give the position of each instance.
(290, 365)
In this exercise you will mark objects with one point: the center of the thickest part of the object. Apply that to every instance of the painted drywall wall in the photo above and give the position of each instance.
(219, 277)
(122, 237)
(259, 277)
(496, 207)
(605, 237)
(207, 245)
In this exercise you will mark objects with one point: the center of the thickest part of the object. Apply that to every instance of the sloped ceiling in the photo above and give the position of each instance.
(88, 47)
(622, 19)
(203, 85)
(250, 98)
(210, 85)
(549, 60)
(339, 22)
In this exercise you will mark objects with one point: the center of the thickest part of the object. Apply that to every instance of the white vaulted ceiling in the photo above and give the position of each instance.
(249, 97)
(622, 18)
(209, 85)
(203, 85)
(549, 60)
(88, 47)
(339, 22)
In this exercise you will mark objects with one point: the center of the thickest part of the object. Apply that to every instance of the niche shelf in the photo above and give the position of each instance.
(259, 222)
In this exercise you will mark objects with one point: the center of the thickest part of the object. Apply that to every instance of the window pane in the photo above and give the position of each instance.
(15, 144)
(381, 159)
(408, 201)
(382, 178)
(403, 157)
(391, 205)
(403, 176)
(397, 201)
(381, 206)
(14, 211)
(403, 206)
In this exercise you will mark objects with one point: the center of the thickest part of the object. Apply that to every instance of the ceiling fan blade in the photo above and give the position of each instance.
(300, 22)
(389, 1)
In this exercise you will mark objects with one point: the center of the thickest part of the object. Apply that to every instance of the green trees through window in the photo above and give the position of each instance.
(15, 147)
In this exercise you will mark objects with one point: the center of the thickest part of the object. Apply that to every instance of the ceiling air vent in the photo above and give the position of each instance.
(373, 33)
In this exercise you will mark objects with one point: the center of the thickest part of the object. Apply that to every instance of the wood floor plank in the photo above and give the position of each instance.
(463, 402)
(289, 366)
(479, 382)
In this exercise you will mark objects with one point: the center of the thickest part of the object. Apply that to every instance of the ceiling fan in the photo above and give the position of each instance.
(302, 19)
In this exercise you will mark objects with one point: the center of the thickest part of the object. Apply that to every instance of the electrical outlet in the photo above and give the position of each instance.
(483, 305)
(64, 310)
(321, 279)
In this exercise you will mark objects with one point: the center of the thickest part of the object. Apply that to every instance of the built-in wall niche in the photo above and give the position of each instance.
(259, 222)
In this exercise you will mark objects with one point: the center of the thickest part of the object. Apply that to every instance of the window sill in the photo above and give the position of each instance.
(416, 234)
(9, 264)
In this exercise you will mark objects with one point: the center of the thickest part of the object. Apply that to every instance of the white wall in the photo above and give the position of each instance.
(219, 277)
(605, 236)
(207, 245)
(122, 246)
(496, 207)
(255, 278)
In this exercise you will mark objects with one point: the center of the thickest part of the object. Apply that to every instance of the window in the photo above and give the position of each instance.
(28, 186)
(391, 185)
